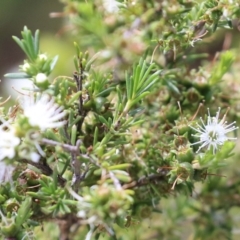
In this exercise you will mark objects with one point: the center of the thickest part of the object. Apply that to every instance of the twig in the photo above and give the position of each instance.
(116, 182)
(67, 147)
(76, 165)
(2, 103)
(144, 180)
(45, 169)
(78, 79)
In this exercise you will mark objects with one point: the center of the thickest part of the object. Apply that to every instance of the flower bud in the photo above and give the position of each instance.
(169, 113)
(185, 154)
(144, 212)
(192, 96)
(11, 205)
(9, 230)
(181, 126)
(185, 171)
(195, 164)
(99, 104)
(41, 81)
(201, 83)
(25, 67)
(42, 57)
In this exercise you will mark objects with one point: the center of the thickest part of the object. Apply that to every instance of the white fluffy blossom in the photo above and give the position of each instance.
(5, 172)
(213, 134)
(43, 112)
(111, 6)
(8, 141)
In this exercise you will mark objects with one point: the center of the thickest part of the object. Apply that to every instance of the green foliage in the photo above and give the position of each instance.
(139, 84)
(222, 67)
(36, 62)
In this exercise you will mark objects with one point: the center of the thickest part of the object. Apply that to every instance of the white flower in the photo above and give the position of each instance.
(213, 134)
(5, 172)
(44, 112)
(8, 141)
(111, 6)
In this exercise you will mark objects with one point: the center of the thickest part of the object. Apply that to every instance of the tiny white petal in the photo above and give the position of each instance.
(111, 6)
(81, 214)
(8, 141)
(35, 157)
(213, 134)
(43, 113)
(5, 172)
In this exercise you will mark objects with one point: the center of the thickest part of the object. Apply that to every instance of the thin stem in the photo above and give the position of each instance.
(123, 114)
(76, 165)
(79, 77)
(154, 52)
(2, 103)
(116, 182)
(67, 147)
(145, 180)
(78, 80)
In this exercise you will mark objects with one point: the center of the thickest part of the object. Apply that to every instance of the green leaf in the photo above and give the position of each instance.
(17, 75)
(30, 44)
(36, 42)
(128, 86)
(102, 120)
(105, 92)
(24, 212)
(19, 42)
(53, 62)
(221, 67)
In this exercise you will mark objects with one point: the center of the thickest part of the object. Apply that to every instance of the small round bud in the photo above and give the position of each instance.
(25, 66)
(185, 154)
(41, 80)
(185, 170)
(42, 57)
(41, 77)
(182, 126)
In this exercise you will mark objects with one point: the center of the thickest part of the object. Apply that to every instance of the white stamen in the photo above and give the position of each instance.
(44, 112)
(213, 134)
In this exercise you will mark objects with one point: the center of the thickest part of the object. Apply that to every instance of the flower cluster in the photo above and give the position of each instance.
(214, 133)
(43, 113)
(39, 114)
(8, 141)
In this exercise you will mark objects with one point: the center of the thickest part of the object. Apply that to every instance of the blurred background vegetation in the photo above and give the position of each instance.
(211, 211)
(35, 15)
